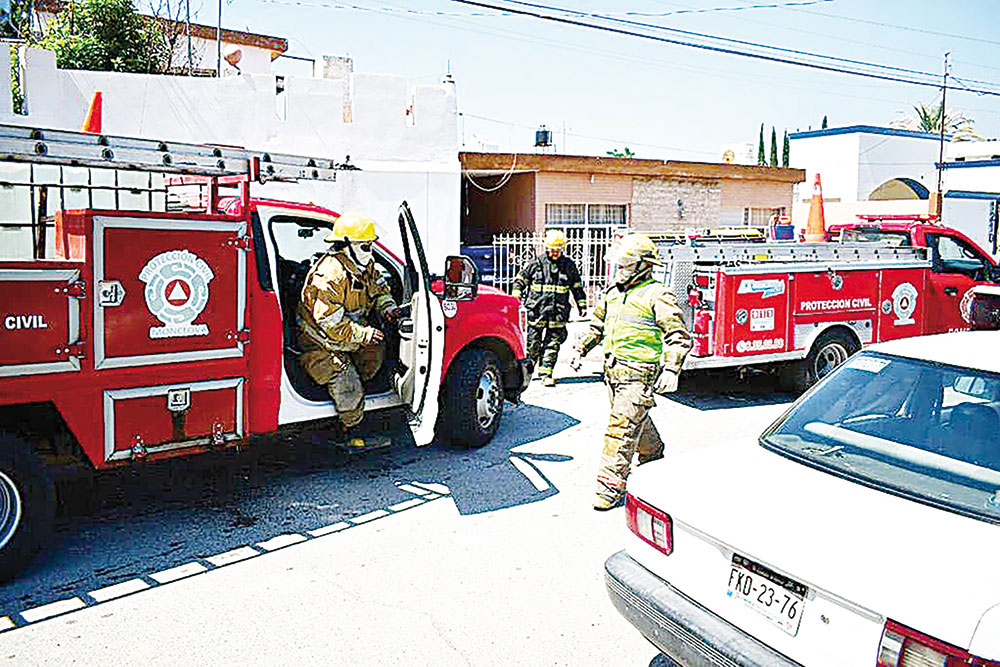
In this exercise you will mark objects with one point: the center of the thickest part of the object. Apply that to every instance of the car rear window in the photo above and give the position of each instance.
(875, 235)
(926, 430)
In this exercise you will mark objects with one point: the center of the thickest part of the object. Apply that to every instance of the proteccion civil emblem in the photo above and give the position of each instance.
(904, 303)
(176, 292)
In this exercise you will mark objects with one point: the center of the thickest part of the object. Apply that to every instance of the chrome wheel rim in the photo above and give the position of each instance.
(830, 356)
(489, 398)
(10, 509)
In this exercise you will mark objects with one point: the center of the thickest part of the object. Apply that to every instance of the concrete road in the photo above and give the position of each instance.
(300, 553)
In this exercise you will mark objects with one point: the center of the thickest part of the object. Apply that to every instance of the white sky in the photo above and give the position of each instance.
(663, 101)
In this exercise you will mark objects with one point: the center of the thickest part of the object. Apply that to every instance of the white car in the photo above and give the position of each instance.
(861, 528)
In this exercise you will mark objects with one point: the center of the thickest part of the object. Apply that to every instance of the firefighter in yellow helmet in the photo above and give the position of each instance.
(645, 343)
(545, 286)
(341, 348)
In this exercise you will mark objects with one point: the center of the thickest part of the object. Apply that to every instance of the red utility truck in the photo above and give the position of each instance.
(156, 334)
(804, 308)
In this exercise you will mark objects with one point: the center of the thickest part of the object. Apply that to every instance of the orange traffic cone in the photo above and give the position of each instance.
(816, 227)
(93, 122)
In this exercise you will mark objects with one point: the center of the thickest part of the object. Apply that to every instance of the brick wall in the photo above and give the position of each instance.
(562, 188)
(655, 203)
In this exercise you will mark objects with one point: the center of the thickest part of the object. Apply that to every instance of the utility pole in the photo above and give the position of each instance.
(937, 203)
(187, 28)
(218, 44)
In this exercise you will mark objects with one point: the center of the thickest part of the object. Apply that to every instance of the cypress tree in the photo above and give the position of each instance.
(761, 158)
(786, 149)
(824, 122)
(774, 147)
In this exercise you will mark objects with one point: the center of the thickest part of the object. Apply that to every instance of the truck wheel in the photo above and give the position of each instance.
(830, 350)
(473, 399)
(27, 504)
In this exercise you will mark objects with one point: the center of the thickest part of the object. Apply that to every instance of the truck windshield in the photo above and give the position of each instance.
(927, 431)
(875, 235)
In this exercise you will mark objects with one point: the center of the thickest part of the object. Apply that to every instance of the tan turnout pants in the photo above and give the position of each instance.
(630, 390)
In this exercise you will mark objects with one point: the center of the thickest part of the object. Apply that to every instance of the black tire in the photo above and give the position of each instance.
(27, 504)
(831, 349)
(473, 399)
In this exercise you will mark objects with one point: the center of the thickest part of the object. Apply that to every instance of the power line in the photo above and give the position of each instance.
(730, 40)
(578, 135)
(713, 48)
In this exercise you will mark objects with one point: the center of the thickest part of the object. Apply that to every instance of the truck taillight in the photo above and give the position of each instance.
(702, 280)
(650, 524)
(904, 647)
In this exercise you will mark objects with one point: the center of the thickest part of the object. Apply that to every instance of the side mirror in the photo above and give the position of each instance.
(461, 279)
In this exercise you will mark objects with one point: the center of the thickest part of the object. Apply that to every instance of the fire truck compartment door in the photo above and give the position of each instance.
(39, 321)
(152, 420)
(422, 346)
(167, 291)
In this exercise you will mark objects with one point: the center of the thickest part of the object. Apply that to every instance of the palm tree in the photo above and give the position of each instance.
(927, 118)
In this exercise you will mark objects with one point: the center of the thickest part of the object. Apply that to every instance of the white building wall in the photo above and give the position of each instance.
(882, 158)
(835, 158)
(403, 155)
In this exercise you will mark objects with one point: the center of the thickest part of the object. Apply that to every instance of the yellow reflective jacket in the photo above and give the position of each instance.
(642, 324)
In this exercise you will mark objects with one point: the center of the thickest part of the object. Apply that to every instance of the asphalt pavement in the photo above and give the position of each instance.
(298, 552)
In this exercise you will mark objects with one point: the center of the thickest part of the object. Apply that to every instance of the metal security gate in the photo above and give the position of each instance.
(587, 245)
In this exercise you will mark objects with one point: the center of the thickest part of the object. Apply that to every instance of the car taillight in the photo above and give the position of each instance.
(650, 524)
(701, 280)
(904, 647)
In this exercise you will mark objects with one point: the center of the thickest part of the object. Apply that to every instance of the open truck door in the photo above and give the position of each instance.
(421, 330)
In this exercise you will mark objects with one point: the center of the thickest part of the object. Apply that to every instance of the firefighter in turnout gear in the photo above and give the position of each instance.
(645, 343)
(545, 286)
(340, 347)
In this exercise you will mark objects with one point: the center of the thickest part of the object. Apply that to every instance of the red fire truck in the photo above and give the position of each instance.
(156, 334)
(802, 308)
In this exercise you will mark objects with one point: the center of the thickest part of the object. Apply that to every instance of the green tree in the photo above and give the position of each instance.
(824, 123)
(774, 147)
(108, 35)
(761, 159)
(786, 150)
(927, 118)
(625, 152)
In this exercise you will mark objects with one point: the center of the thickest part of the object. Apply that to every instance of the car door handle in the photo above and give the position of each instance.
(951, 291)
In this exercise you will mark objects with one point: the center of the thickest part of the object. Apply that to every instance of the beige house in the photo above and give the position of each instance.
(504, 192)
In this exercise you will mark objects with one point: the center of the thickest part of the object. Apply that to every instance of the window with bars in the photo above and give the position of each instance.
(586, 214)
(759, 217)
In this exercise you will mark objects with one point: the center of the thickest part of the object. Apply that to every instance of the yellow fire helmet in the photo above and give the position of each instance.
(555, 239)
(352, 227)
(637, 248)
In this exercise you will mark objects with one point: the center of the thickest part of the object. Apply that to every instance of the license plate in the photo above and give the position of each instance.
(776, 597)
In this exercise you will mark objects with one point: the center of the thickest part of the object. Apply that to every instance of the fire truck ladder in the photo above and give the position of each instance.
(789, 253)
(68, 148)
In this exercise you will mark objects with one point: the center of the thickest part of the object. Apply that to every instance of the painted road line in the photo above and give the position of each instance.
(406, 504)
(52, 609)
(364, 518)
(6, 623)
(417, 491)
(282, 541)
(332, 528)
(179, 572)
(232, 556)
(529, 471)
(118, 590)
(435, 487)
(431, 496)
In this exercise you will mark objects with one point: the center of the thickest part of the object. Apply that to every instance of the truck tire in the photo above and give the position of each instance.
(831, 349)
(27, 504)
(473, 399)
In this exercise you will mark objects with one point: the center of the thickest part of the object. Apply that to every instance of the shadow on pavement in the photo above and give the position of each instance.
(132, 523)
(723, 389)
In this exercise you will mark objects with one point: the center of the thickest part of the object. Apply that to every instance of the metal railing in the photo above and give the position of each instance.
(586, 246)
